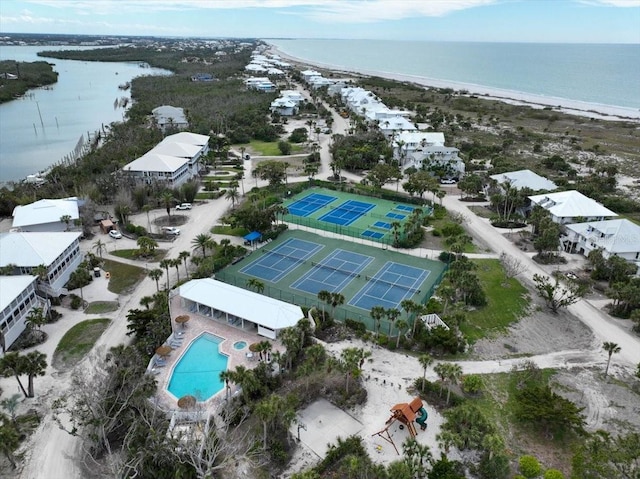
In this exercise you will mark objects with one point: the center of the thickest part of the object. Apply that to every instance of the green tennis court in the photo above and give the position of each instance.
(299, 264)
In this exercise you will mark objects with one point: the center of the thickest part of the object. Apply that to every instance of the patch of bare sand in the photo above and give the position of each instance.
(539, 332)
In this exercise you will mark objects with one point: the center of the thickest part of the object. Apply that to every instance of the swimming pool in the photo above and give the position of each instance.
(197, 373)
(239, 345)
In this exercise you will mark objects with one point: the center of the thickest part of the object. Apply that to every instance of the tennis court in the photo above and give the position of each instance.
(333, 273)
(346, 213)
(310, 204)
(275, 264)
(393, 283)
(299, 264)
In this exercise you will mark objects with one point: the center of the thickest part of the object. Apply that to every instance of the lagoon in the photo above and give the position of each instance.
(39, 129)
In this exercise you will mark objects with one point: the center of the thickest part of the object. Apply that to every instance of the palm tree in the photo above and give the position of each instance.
(411, 307)
(11, 365)
(611, 349)
(227, 376)
(425, 361)
(352, 361)
(146, 209)
(146, 301)
(147, 245)
(454, 373)
(337, 299)
(99, 247)
(204, 241)
(233, 195)
(41, 272)
(377, 313)
(167, 200)
(183, 255)
(256, 284)
(264, 347)
(391, 314)
(9, 442)
(156, 274)
(176, 262)
(33, 364)
(166, 264)
(35, 319)
(441, 370)
(246, 379)
(325, 297)
(401, 325)
(66, 219)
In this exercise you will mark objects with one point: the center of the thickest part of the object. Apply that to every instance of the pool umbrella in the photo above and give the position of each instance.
(182, 319)
(163, 350)
(187, 402)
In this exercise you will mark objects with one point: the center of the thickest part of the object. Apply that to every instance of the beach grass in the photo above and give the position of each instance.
(101, 307)
(78, 341)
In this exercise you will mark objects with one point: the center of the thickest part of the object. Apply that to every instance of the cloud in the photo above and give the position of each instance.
(612, 3)
(343, 11)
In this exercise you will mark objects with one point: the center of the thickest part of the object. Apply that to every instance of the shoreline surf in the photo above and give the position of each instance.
(564, 105)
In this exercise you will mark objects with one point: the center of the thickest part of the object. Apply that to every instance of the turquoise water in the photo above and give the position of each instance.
(240, 345)
(593, 73)
(198, 371)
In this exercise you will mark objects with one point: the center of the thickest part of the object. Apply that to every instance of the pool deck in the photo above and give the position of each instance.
(193, 328)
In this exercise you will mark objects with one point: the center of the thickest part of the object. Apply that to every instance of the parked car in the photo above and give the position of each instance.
(448, 181)
(184, 206)
(171, 230)
(115, 234)
(96, 272)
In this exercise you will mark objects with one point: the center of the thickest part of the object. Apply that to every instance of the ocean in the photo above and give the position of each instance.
(590, 75)
(38, 130)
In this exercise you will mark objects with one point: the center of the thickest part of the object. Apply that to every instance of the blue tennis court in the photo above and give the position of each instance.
(310, 204)
(390, 285)
(396, 216)
(275, 264)
(372, 234)
(406, 208)
(347, 212)
(333, 273)
(382, 224)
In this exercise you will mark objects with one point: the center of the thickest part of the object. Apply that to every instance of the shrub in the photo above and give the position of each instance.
(529, 467)
(446, 257)
(299, 135)
(284, 147)
(357, 326)
(76, 301)
(553, 474)
(472, 384)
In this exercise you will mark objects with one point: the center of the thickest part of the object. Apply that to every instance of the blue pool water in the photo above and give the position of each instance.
(240, 345)
(198, 371)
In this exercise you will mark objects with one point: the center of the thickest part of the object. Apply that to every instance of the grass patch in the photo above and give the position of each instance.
(78, 341)
(101, 307)
(507, 301)
(228, 230)
(124, 277)
(132, 254)
(270, 148)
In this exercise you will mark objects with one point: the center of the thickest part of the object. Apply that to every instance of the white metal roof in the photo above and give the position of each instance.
(268, 312)
(571, 204)
(155, 162)
(620, 236)
(45, 211)
(188, 137)
(174, 148)
(33, 249)
(525, 179)
(416, 137)
(166, 112)
(12, 286)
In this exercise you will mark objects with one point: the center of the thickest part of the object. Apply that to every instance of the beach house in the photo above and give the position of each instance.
(571, 206)
(18, 297)
(524, 179)
(284, 107)
(169, 117)
(173, 161)
(57, 253)
(47, 215)
(618, 237)
(238, 307)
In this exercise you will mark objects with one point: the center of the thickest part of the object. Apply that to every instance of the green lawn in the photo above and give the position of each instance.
(101, 307)
(78, 341)
(507, 302)
(124, 277)
(132, 254)
(270, 148)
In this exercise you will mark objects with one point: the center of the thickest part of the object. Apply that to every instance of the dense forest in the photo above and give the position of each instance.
(18, 77)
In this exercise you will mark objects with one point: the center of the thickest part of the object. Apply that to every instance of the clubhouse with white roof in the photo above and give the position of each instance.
(238, 307)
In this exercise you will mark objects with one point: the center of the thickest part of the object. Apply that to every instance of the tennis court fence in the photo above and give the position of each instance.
(341, 313)
(352, 231)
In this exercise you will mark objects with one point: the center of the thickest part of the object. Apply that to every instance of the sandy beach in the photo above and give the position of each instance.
(573, 107)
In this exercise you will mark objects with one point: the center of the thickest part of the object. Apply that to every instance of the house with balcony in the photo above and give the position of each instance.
(525, 179)
(284, 107)
(18, 296)
(58, 253)
(618, 237)
(173, 161)
(571, 206)
(46, 215)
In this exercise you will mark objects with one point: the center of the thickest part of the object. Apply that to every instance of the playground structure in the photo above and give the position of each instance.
(406, 414)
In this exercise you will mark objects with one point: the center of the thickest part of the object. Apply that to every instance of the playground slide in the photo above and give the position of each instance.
(422, 418)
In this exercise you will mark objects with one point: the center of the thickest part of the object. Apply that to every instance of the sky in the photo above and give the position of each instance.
(563, 21)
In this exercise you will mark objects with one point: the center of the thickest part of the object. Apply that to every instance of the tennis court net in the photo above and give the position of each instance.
(331, 268)
(394, 285)
(282, 255)
(350, 210)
